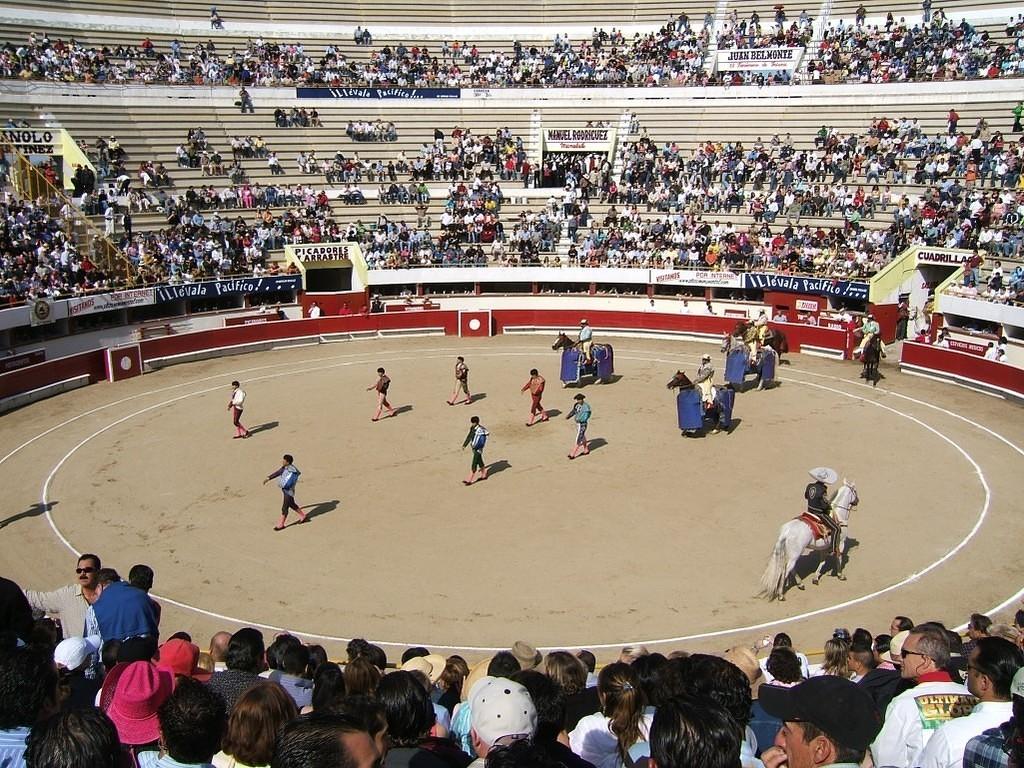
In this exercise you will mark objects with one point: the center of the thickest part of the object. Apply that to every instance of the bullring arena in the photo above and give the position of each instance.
(652, 538)
(434, 187)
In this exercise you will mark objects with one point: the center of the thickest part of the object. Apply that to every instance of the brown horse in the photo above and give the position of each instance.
(775, 339)
(680, 381)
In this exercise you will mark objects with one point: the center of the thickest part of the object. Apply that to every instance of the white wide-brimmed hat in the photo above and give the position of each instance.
(825, 475)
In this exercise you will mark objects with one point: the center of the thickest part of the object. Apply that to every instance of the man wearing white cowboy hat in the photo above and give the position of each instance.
(704, 380)
(586, 341)
(819, 504)
(869, 328)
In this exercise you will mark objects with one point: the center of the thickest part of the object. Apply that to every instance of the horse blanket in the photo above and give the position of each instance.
(573, 369)
(736, 366)
(691, 412)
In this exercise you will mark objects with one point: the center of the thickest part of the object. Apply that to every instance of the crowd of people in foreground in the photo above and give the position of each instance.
(674, 54)
(107, 686)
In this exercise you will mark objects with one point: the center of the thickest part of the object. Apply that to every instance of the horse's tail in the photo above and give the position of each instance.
(773, 580)
(783, 342)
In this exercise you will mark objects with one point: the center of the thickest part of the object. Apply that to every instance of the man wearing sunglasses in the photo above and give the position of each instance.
(914, 715)
(70, 603)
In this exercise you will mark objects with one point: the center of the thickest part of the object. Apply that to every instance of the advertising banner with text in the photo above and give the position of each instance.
(733, 59)
(102, 302)
(814, 286)
(216, 288)
(377, 93)
(579, 139)
(695, 277)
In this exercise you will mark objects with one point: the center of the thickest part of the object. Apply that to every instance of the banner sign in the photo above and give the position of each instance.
(814, 286)
(947, 257)
(378, 93)
(321, 255)
(578, 139)
(14, 362)
(31, 142)
(733, 59)
(968, 346)
(101, 302)
(41, 312)
(695, 277)
(215, 288)
(805, 305)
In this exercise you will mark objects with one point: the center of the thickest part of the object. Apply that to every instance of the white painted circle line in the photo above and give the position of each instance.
(717, 633)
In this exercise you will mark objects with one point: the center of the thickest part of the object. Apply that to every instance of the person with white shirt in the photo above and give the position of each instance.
(235, 405)
(914, 716)
(992, 668)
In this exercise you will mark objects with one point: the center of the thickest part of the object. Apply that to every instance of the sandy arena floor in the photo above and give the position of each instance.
(652, 538)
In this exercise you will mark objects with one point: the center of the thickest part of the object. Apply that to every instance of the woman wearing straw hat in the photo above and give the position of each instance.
(818, 503)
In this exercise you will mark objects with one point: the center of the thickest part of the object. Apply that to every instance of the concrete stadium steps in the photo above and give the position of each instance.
(152, 131)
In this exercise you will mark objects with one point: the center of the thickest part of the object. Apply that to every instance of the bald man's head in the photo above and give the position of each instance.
(219, 645)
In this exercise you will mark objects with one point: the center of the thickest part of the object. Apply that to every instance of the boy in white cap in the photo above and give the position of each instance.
(501, 712)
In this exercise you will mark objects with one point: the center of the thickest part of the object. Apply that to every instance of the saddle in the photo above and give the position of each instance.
(817, 527)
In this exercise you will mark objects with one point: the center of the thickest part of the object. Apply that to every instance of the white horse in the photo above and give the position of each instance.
(796, 536)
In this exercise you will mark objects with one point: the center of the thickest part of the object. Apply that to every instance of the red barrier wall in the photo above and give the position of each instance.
(962, 365)
(289, 329)
(92, 364)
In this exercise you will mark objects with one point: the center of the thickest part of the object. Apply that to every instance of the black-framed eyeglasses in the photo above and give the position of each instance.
(87, 569)
(904, 653)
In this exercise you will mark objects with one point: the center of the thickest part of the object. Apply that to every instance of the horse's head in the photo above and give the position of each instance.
(562, 342)
(679, 381)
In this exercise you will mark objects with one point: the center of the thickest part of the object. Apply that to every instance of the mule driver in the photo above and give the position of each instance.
(704, 381)
(818, 503)
(586, 341)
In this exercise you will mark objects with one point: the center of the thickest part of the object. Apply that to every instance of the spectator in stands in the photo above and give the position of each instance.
(926, 657)
(74, 658)
(28, 695)
(245, 101)
(258, 716)
(124, 611)
(80, 737)
(501, 712)
(998, 746)
(136, 691)
(621, 723)
(693, 733)
(718, 681)
(827, 720)
(191, 726)
(71, 602)
(325, 741)
(243, 661)
(292, 673)
(882, 684)
(977, 628)
(216, 22)
(991, 668)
